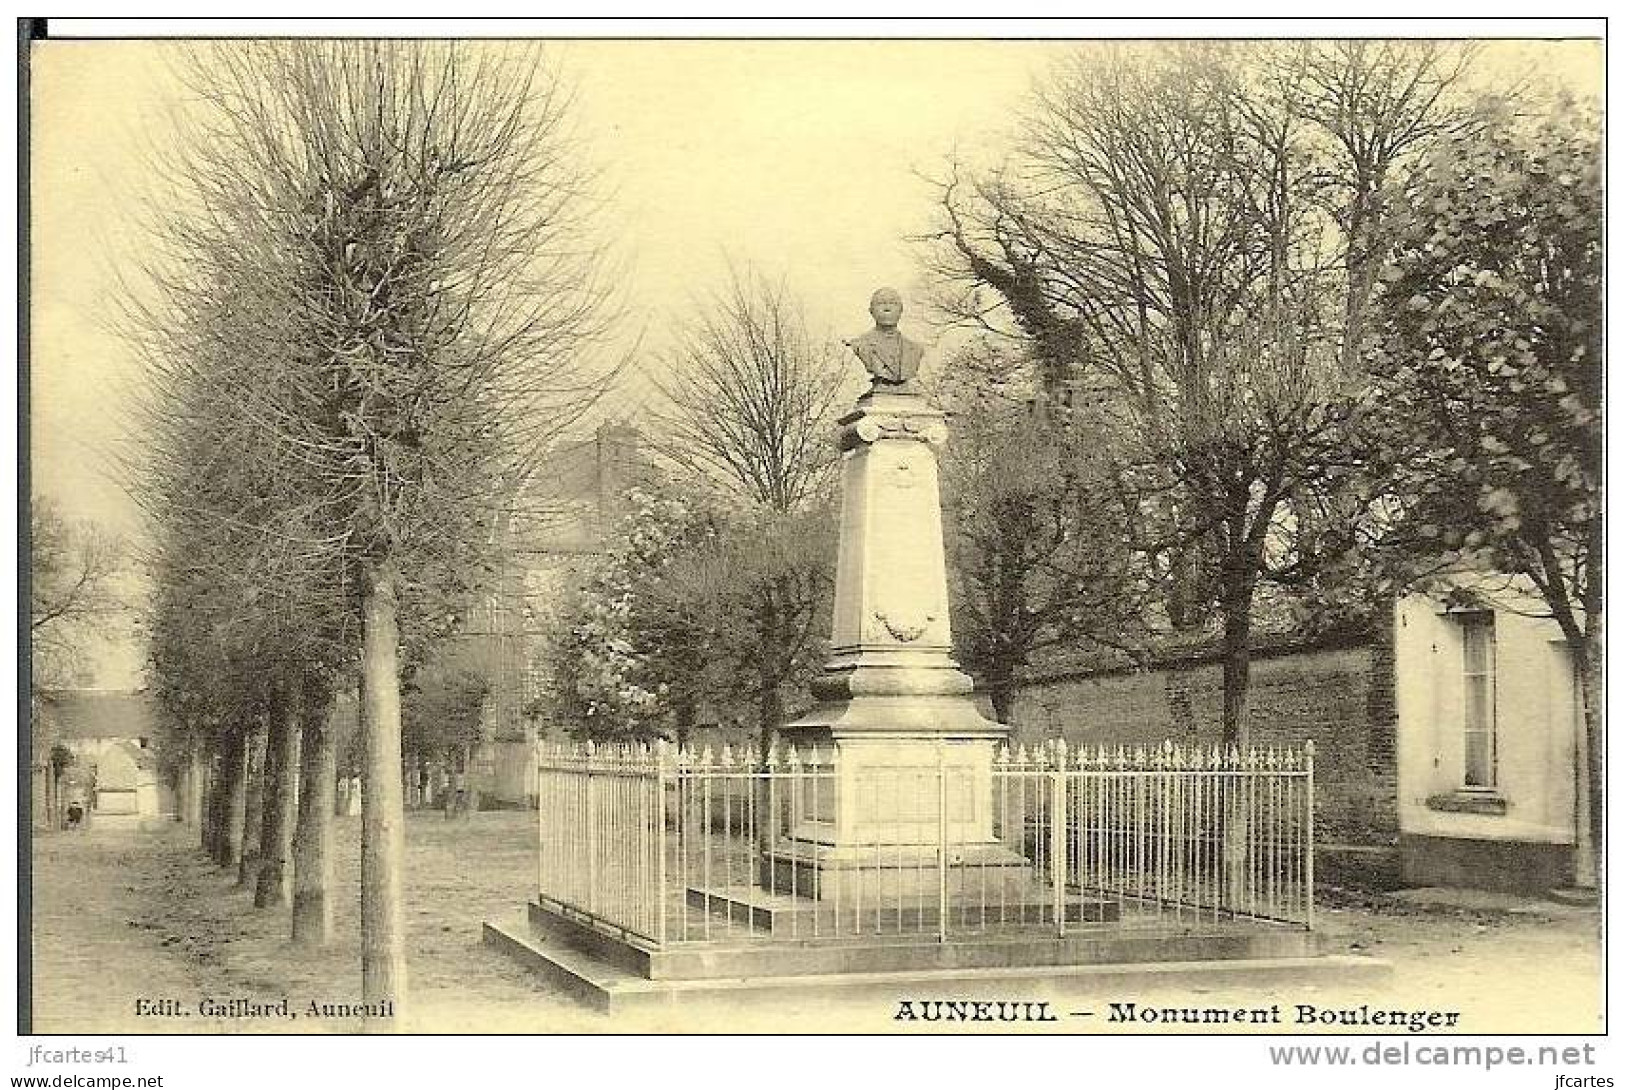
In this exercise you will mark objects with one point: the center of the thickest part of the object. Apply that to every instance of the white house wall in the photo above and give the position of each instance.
(1535, 727)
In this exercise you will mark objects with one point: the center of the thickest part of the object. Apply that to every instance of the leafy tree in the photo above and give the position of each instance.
(621, 667)
(1489, 355)
(757, 593)
(714, 597)
(443, 716)
(695, 611)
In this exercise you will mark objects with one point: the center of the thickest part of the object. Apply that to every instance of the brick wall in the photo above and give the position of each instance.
(1342, 697)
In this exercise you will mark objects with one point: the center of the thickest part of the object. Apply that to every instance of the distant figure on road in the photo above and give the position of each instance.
(76, 814)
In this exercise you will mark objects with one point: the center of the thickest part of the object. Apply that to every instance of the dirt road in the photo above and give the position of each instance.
(125, 916)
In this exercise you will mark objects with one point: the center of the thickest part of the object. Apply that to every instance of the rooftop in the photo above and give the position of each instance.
(100, 713)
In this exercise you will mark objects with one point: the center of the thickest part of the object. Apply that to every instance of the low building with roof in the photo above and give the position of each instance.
(113, 735)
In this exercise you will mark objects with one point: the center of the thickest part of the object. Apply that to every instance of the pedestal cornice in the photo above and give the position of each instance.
(881, 415)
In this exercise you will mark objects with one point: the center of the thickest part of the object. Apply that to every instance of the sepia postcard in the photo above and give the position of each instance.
(641, 531)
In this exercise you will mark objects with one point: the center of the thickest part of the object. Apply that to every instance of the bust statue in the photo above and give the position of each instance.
(891, 359)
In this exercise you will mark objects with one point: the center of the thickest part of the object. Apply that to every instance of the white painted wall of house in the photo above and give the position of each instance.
(1536, 723)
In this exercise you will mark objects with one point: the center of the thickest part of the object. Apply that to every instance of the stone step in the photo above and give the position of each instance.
(584, 976)
(739, 952)
(613, 990)
(1574, 895)
(782, 914)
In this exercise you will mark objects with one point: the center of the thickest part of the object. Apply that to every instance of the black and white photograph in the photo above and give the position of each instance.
(910, 530)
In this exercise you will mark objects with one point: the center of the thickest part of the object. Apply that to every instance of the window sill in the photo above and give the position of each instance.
(1469, 802)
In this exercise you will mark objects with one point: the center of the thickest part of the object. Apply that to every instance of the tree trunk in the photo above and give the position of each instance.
(313, 843)
(233, 798)
(210, 823)
(1588, 775)
(274, 887)
(457, 792)
(192, 801)
(1180, 600)
(684, 713)
(460, 786)
(1001, 693)
(183, 786)
(471, 796)
(220, 800)
(248, 852)
(383, 839)
(210, 817)
(1237, 666)
(770, 713)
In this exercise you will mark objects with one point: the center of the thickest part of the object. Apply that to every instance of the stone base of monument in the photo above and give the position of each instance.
(621, 975)
(781, 914)
(858, 875)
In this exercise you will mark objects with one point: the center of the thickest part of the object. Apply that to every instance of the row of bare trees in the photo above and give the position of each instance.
(372, 300)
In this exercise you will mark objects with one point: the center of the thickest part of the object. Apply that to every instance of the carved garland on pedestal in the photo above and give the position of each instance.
(904, 631)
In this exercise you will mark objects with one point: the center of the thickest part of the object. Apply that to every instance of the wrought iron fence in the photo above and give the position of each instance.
(663, 845)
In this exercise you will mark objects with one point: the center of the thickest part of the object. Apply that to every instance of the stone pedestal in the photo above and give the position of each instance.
(890, 636)
(913, 756)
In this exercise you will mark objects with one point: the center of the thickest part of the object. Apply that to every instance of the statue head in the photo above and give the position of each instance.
(886, 307)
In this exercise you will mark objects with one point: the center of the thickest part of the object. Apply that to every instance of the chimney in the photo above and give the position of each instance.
(616, 460)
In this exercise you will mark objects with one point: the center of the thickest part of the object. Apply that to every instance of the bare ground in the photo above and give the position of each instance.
(125, 915)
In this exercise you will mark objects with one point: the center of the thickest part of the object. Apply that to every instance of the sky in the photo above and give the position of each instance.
(797, 158)
(802, 159)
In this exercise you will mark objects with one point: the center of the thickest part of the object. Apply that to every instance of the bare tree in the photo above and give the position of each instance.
(750, 404)
(1378, 103)
(1169, 234)
(1036, 559)
(751, 396)
(71, 587)
(378, 250)
(72, 576)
